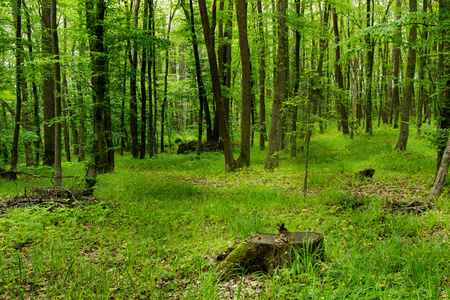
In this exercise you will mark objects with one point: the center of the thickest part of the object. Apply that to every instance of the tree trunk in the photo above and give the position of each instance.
(64, 106)
(262, 81)
(133, 57)
(36, 117)
(17, 6)
(57, 72)
(409, 88)
(396, 61)
(279, 92)
(48, 95)
(339, 77)
(369, 69)
(244, 154)
(198, 73)
(441, 175)
(142, 145)
(102, 159)
(230, 163)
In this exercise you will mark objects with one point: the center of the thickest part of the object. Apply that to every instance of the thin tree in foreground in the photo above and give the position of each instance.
(57, 72)
(279, 91)
(409, 88)
(230, 162)
(244, 155)
(17, 6)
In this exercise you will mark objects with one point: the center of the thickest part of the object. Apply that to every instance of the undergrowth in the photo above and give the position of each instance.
(162, 221)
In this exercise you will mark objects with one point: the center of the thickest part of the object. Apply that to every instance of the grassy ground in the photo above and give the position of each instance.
(162, 221)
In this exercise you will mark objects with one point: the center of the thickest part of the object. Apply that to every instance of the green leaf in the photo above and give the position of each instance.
(7, 95)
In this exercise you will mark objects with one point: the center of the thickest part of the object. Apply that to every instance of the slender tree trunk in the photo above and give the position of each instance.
(57, 70)
(396, 69)
(49, 86)
(151, 87)
(369, 69)
(262, 80)
(63, 112)
(17, 6)
(409, 88)
(198, 72)
(279, 92)
(293, 139)
(36, 117)
(339, 77)
(133, 57)
(230, 163)
(244, 155)
(143, 90)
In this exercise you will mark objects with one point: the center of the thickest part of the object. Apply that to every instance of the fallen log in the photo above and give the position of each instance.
(267, 252)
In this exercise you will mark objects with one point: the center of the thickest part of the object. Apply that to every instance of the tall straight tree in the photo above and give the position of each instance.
(396, 66)
(262, 80)
(279, 90)
(133, 56)
(17, 6)
(370, 43)
(339, 77)
(103, 156)
(57, 71)
(230, 162)
(48, 94)
(166, 75)
(244, 154)
(409, 87)
(198, 72)
(143, 88)
(444, 82)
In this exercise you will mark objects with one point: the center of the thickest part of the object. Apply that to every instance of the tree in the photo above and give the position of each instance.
(17, 6)
(198, 72)
(49, 86)
(369, 67)
(409, 88)
(57, 72)
(102, 158)
(230, 163)
(279, 92)
(339, 76)
(244, 155)
(262, 80)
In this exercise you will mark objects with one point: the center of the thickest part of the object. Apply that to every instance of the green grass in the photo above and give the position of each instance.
(162, 221)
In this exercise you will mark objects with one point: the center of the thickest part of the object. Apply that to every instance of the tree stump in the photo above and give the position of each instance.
(267, 252)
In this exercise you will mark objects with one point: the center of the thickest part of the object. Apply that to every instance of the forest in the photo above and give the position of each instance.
(142, 139)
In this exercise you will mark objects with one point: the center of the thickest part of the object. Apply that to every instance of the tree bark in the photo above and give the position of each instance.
(279, 92)
(441, 175)
(17, 6)
(409, 88)
(262, 80)
(57, 71)
(133, 57)
(396, 69)
(49, 86)
(244, 154)
(198, 73)
(369, 68)
(230, 163)
(102, 158)
(339, 77)
(444, 79)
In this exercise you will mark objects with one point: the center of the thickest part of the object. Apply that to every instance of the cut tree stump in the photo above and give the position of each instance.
(267, 252)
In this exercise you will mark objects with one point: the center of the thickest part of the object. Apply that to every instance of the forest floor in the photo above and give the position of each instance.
(156, 225)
